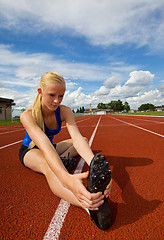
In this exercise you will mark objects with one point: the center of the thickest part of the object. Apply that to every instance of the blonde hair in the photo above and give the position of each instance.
(49, 77)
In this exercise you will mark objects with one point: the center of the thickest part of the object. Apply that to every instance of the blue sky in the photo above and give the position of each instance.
(105, 49)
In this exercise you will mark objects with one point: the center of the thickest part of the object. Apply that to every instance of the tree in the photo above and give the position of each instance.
(146, 107)
(101, 106)
(83, 109)
(126, 106)
(22, 110)
(116, 105)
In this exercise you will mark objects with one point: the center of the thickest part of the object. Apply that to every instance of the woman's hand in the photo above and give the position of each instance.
(88, 200)
(108, 189)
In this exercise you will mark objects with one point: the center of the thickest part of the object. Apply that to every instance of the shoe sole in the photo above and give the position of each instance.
(99, 174)
(99, 178)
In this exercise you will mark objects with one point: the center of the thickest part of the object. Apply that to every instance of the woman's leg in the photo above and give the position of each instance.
(65, 147)
(35, 160)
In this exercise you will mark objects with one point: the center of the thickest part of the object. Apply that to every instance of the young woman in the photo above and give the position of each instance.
(41, 122)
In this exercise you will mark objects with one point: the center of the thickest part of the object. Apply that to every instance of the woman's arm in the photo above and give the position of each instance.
(72, 182)
(44, 144)
(80, 144)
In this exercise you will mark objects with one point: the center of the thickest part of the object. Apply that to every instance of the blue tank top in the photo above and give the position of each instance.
(50, 133)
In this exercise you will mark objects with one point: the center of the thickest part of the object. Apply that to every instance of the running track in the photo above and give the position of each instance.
(134, 148)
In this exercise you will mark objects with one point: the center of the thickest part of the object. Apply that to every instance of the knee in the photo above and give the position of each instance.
(44, 167)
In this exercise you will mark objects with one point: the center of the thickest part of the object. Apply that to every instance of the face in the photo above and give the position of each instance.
(52, 95)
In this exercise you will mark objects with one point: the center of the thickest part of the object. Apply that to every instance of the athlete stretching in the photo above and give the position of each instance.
(37, 152)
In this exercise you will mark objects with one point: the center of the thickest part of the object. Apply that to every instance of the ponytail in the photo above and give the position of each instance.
(37, 115)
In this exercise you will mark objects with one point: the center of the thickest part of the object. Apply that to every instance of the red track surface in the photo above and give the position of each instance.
(136, 160)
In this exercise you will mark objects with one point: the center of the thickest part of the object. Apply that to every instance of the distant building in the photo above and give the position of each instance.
(102, 111)
(89, 111)
(132, 111)
(6, 108)
(97, 111)
(160, 109)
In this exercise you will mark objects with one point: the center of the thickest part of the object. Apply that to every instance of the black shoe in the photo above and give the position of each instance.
(99, 178)
(68, 162)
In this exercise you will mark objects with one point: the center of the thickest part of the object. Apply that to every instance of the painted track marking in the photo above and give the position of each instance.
(142, 119)
(57, 221)
(160, 135)
(22, 129)
(8, 145)
(144, 129)
(12, 131)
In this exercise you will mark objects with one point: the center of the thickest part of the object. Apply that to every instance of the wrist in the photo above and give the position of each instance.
(66, 179)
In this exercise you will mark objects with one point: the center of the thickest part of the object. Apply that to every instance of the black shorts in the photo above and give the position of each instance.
(23, 150)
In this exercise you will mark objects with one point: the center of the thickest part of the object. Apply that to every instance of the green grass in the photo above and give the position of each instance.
(16, 121)
(147, 113)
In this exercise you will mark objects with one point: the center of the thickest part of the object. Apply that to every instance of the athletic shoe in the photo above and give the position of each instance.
(99, 178)
(68, 162)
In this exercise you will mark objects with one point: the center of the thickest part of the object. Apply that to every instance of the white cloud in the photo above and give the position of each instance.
(134, 85)
(23, 68)
(22, 99)
(102, 91)
(102, 22)
(76, 98)
(133, 90)
(29, 66)
(153, 96)
(161, 90)
(112, 81)
(139, 78)
(70, 85)
(21, 73)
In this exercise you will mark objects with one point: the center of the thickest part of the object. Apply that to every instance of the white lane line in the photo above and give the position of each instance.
(144, 129)
(76, 122)
(57, 221)
(83, 120)
(8, 145)
(22, 129)
(146, 120)
(12, 131)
